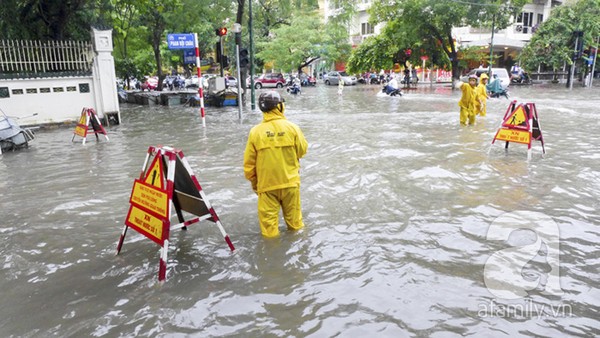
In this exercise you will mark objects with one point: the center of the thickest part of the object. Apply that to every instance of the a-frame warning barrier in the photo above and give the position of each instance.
(88, 121)
(520, 125)
(166, 183)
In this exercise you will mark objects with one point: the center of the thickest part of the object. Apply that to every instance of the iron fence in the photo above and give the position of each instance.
(45, 58)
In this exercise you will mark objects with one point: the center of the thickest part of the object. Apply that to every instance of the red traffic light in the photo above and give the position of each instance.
(221, 31)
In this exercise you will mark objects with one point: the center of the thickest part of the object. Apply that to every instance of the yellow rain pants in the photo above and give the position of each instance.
(268, 210)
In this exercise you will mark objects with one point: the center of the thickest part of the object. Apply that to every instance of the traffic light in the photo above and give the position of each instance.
(221, 31)
(244, 58)
(225, 61)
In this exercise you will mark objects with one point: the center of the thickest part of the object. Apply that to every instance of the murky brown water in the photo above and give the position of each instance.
(397, 199)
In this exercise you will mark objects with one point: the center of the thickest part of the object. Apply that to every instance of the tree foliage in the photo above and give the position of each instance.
(426, 26)
(552, 45)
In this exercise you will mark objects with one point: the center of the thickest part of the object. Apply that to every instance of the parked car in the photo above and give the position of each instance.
(150, 83)
(231, 81)
(332, 77)
(271, 80)
(191, 81)
(500, 72)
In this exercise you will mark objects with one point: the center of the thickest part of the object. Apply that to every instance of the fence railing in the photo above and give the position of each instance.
(27, 58)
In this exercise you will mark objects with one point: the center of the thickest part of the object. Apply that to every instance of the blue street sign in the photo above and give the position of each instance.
(189, 56)
(180, 41)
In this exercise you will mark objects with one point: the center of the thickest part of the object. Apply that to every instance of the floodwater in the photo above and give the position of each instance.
(397, 201)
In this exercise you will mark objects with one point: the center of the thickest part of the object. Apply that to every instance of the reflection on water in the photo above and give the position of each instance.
(397, 200)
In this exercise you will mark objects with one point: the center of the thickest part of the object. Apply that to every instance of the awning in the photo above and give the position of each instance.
(499, 42)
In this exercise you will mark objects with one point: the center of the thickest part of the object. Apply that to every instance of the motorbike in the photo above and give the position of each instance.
(293, 89)
(12, 136)
(496, 90)
(391, 91)
(521, 79)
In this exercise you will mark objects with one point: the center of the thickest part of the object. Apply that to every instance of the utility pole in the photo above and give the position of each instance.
(252, 94)
(492, 46)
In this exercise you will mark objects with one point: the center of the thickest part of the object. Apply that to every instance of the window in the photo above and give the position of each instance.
(367, 28)
(31, 90)
(84, 88)
(4, 93)
(17, 91)
(540, 19)
(526, 19)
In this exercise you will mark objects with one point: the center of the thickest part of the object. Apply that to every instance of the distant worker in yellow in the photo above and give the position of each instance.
(467, 101)
(481, 95)
(272, 164)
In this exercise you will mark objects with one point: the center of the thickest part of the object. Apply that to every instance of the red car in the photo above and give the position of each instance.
(150, 83)
(272, 80)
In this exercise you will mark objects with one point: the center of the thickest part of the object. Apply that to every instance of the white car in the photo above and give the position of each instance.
(332, 77)
(500, 72)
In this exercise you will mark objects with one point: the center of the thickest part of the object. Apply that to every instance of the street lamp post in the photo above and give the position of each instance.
(492, 44)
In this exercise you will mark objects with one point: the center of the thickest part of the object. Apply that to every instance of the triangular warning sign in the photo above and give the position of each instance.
(88, 121)
(150, 208)
(154, 175)
(517, 119)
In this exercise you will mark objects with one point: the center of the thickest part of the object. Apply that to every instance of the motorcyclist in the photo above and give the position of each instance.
(516, 73)
(392, 85)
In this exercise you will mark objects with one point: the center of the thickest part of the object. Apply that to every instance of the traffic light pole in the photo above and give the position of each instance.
(238, 31)
(221, 52)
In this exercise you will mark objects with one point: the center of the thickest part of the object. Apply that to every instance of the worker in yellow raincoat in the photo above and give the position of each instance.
(271, 164)
(467, 101)
(481, 95)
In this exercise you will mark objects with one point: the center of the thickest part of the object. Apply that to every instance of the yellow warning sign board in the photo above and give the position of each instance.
(145, 223)
(81, 130)
(518, 118)
(150, 198)
(155, 175)
(513, 135)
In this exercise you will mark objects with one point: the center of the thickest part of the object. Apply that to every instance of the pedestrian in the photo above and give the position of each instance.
(340, 85)
(467, 101)
(481, 95)
(272, 164)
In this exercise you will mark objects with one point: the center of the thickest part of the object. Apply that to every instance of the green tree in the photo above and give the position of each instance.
(300, 43)
(429, 23)
(552, 45)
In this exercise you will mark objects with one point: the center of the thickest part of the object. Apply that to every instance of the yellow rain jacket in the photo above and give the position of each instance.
(467, 100)
(271, 158)
(467, 103)
(481, 97)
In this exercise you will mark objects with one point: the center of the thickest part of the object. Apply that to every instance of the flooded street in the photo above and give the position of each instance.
(397, 200)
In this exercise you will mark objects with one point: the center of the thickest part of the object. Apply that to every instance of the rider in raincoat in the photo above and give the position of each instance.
(467, 101)
(271, 164)
(481, 95)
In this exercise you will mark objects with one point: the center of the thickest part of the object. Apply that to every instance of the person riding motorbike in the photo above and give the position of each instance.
(295, 86)
(392, 88)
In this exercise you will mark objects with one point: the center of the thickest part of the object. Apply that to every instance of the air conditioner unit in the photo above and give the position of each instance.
(519, 28)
